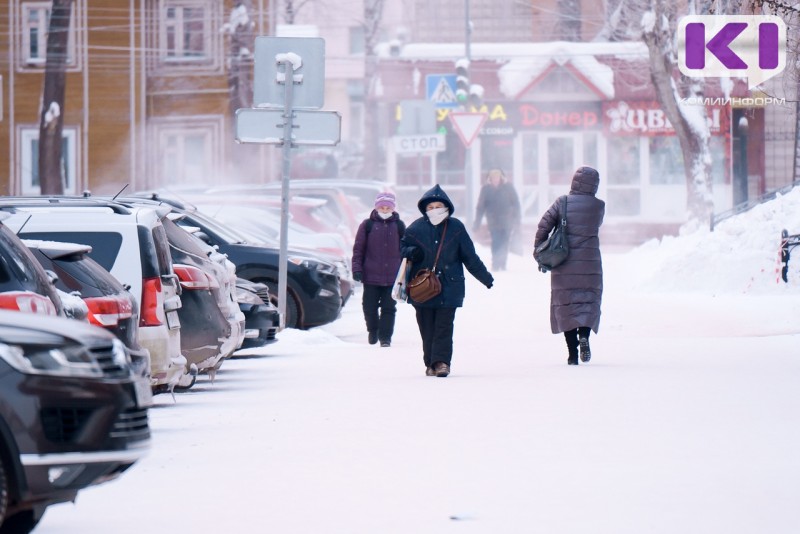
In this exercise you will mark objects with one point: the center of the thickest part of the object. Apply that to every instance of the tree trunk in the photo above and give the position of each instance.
(689, 121)
(240, 65)
(569, 20)
(51, 124)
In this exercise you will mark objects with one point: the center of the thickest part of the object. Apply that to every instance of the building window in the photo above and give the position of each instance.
(185, 31)
(35, 17)
(357, 40)
(29, 160)
(187, 153)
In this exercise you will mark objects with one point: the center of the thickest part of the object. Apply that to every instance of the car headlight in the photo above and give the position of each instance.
(314, 265)
(120, 354)
(247, 297)
(63, 360)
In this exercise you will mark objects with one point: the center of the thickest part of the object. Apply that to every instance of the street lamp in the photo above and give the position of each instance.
(740, 185)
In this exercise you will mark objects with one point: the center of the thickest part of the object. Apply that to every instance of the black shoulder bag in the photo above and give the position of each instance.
(555, 249)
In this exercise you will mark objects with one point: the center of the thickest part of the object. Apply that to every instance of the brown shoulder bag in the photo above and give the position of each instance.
(425, 285)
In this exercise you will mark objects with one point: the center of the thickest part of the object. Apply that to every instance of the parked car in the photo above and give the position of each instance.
(360, 193)
(263, 227)
(131, 244)
(267, 219)
(109, 304)
(335, 210)
(210, 314)
(24, 284)
(72, 413)
(313, 286)
(262, 318)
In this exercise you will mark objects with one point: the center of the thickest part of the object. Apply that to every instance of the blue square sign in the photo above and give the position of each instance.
(441, 90)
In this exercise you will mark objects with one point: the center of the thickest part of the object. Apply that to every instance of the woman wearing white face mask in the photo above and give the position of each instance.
(376, 259)
(420, 244)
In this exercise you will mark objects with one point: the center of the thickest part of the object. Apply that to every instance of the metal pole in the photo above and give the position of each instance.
(287, 160)
(467, 151)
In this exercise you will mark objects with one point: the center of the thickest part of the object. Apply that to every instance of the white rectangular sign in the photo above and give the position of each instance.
(259, 125)
(416, 144)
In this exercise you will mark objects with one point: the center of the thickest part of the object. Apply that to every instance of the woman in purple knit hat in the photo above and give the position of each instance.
(376, 260)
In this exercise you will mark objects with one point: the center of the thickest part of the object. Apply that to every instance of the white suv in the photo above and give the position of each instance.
(131, 244)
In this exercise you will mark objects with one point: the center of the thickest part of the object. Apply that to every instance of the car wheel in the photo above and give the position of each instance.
(3, 493)
(292, 314)
(186, 382)
(22, 522)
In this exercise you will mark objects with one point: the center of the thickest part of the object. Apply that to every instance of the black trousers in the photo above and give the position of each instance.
(379, 310)
(436, 329)
(500, 241)
(572, 337)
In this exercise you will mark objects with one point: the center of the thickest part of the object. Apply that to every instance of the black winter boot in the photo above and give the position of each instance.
(586, 353)
(571, 338)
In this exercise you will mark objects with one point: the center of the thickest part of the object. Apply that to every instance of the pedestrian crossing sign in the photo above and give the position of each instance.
(441, 90)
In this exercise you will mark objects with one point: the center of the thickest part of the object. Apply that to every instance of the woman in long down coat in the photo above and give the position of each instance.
(576, 286)
(435, 317)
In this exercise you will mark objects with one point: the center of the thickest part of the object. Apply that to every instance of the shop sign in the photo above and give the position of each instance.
(574, 116)
(648, 119)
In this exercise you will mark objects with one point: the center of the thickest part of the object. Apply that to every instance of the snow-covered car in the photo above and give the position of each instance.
(73, 413)
(130, 243)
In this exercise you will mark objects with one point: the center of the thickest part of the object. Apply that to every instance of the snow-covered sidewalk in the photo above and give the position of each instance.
(686, 420)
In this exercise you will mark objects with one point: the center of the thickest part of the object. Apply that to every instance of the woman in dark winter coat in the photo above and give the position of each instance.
(576, 286)
(420, 243)
(499, 201)
(376, 259)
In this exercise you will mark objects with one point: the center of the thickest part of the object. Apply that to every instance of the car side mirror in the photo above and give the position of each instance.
(51, 276)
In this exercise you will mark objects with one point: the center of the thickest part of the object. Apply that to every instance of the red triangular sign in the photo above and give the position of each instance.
(467, 125)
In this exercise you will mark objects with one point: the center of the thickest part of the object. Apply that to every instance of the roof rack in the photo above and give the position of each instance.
(11, 203)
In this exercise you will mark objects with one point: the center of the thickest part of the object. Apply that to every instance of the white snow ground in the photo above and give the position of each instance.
(685, 421)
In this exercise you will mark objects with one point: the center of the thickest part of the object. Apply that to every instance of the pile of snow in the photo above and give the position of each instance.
(741, 255)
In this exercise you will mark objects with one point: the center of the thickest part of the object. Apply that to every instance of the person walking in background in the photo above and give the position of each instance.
(376, 259)
(436, 317)
(576, 286)
(498, 200)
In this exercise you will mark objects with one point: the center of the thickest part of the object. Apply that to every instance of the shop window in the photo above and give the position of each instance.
(666, 160)
(29, 160)
(496, 153)
(623, 160)
(35, 19)
(590, 149)
(623, 192)
(530, 158)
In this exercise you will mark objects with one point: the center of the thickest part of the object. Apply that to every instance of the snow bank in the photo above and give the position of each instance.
(739, 256)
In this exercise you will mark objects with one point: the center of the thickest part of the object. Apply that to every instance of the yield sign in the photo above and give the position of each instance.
(467, 125)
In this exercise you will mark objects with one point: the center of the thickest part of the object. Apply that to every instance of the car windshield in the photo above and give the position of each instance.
(225, 232)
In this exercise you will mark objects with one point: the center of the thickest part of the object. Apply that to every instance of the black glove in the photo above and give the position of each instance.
(357, 277)
(412, 253)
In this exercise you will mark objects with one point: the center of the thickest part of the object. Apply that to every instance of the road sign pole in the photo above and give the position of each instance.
(283, 261)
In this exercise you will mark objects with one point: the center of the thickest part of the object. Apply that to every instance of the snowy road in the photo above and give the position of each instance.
(686, 420)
